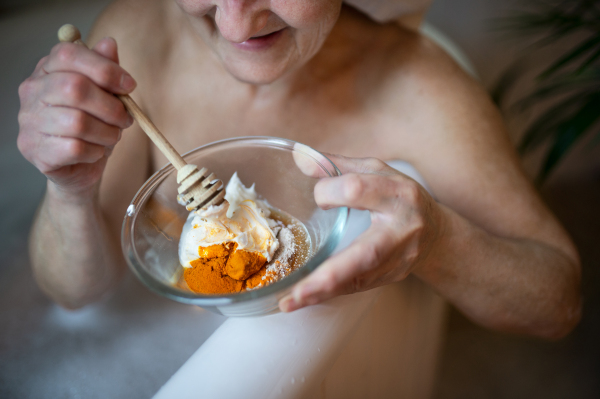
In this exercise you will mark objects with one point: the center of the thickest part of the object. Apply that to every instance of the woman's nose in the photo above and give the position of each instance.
(239, 20)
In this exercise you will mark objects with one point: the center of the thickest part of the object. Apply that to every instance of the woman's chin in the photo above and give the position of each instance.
(256, 74)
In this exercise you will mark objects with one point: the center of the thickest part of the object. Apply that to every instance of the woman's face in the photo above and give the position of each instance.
(258, 41)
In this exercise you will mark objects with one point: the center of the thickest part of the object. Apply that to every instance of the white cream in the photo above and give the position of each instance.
(242, 218)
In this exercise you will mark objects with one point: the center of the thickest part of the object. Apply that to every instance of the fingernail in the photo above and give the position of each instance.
(129, 119)
(288, 304)
(127, 83)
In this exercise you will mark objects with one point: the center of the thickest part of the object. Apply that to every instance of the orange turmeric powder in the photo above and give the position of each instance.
(207, 274)
(221, 269)
(243, 264)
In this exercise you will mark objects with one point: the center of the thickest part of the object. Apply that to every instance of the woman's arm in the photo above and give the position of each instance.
(488, 244)
(70, 126)
(74, 242)
(516, 285)
(74, 258)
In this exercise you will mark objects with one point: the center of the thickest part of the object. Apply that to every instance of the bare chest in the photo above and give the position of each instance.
(327, 123)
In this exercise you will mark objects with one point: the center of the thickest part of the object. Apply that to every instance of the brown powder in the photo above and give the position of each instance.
(282, 263)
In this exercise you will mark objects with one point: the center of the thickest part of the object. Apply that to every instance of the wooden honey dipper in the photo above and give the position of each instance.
(197, 189)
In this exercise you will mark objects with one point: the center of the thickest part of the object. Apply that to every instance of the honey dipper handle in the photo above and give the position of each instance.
(69, 33)
(152, 131)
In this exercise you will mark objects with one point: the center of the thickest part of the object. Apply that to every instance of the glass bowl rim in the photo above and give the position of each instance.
(134, 260)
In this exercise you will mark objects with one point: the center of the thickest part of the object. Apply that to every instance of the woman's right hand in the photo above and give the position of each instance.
(69, 119)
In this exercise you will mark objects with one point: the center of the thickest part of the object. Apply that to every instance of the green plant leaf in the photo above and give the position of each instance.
(557, 34)
(543, 93)
(581, 50)
(526, 23)
(545, 125)
(587, 82)
(571, 82)
(588, 62)
(569, 132)
(556, 20)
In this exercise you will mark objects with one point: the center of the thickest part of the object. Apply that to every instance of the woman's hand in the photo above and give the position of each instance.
(406, 227)
(69, 118)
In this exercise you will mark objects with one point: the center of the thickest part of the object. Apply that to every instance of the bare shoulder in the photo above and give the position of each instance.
(140, 28)
(443, 121)
(131, 19)
(412, 67)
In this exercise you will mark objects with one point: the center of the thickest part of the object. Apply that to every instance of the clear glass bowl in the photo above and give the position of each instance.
(154, 220)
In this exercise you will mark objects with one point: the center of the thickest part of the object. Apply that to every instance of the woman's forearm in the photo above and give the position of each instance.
(508, 284)
(75, 261)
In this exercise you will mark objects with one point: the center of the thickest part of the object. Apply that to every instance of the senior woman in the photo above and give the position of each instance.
(321, 73)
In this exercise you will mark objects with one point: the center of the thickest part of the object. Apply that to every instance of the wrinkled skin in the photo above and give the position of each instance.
(406, 226)
(69, 121)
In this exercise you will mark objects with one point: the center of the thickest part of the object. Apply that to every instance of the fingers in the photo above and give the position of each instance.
(63, 151)
(104, 72)
(360, 165)
(56, 136)
(352, 270)
(107, 47)
(74, 123)
(374, 192)
(78, 91)
(308, 161)
(39, 68)
(69, 119)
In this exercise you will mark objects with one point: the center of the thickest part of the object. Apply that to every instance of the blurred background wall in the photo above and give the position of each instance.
(18, 5)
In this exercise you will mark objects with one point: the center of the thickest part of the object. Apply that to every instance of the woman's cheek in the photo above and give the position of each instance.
(307, 13)
(196, 8)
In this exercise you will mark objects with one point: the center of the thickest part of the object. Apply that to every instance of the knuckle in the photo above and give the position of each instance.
(106, 75)
(75, 87)
(354, 188)
(77, 122)
(42, 61)
(417, 227)
(26, 88)
(76, 149)
(23, 144)
(410, 191)
(369, 253)
(373, 164)
(65, 53)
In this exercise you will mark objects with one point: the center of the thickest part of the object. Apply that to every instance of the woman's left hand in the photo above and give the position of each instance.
(407, 226)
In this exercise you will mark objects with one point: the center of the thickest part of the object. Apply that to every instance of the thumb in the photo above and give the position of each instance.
(345, 164)
(107, 47)
(357, 165)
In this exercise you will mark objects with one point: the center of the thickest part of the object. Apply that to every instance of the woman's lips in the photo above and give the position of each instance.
(259, 43)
